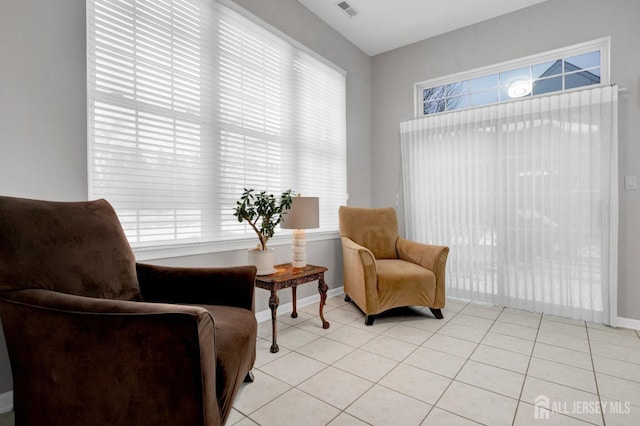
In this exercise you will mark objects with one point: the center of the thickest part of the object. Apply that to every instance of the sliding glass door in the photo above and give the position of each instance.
(525, 195)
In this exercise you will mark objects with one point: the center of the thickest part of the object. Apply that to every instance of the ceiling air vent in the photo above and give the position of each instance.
(347, 8)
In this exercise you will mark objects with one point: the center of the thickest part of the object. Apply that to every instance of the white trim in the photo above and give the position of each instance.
(628, 323)
(600, 43)
(614, 210)
(6, 402)
(603, 44)
(164, 252)
(633, 324)
(286, 308)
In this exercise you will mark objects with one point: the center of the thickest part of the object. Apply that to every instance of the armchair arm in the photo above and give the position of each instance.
(431, 257)
(231, 286)
(81, 360)
(360, 275)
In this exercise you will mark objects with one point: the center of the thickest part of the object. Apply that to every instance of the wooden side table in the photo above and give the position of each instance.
(288, 276)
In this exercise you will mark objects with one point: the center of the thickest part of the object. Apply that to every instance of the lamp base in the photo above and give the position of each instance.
(299, 249)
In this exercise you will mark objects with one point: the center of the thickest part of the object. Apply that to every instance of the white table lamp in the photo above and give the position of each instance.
(303, 214)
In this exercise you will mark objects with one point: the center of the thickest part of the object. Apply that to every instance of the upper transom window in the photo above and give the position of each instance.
(563, 69)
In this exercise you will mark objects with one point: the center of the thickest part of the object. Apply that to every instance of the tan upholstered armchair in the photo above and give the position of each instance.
(382, 270)
(96, 339)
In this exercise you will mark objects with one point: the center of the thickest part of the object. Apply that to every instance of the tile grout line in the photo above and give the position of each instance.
(595, 376)
(399, 363)
(345, 371)
(467, 358)
(340, 410)
(381, 378)
(318, 337)
(526, 372)
(433, 406)
(465, 363)
(557, 383)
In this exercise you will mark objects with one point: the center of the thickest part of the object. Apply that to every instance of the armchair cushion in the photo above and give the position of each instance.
(78, 248)
(210, 286)
(401, 283)
(428, 256)
(375, 229)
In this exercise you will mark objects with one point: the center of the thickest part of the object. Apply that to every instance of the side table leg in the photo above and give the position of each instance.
(273, 304)
(294, 314)
(322, 289)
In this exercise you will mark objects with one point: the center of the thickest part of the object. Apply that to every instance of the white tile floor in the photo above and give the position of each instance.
(480, 365)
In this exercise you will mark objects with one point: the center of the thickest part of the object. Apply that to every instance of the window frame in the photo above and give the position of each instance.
(224, 243)
(601, 44)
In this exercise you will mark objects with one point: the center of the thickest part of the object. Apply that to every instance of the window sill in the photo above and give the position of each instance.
(180, 250)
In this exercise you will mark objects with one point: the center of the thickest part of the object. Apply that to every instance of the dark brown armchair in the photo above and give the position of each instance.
(383, 270)
(96, 339)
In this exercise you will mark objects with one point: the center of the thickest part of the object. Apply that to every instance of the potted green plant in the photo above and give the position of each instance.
(263, 212)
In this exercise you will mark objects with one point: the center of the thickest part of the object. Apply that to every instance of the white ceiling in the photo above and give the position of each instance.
(382, 25)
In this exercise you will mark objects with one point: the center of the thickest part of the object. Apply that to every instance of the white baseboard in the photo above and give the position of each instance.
(628, 323)
(288, 307)
(621, 322)
(6, 402)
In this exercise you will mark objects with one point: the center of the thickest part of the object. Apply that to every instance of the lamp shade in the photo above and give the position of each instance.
(303, 214)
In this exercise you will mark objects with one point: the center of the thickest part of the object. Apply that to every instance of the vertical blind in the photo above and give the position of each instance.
(525, 195)
(189, 103)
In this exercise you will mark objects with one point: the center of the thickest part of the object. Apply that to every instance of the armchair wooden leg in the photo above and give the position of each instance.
(249, 377)
(436, 313)
(368, 319)
(347, 298)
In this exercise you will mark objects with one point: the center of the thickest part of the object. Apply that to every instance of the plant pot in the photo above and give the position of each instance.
(263, 260)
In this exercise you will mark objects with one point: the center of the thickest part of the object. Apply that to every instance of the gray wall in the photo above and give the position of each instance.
(43, 116)
(546, 26)
(43, 121)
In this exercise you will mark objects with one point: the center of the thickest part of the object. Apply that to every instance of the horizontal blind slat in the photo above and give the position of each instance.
(190, 103)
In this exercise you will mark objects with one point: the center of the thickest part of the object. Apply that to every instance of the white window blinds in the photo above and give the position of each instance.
(525, 195)
(189, 103)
